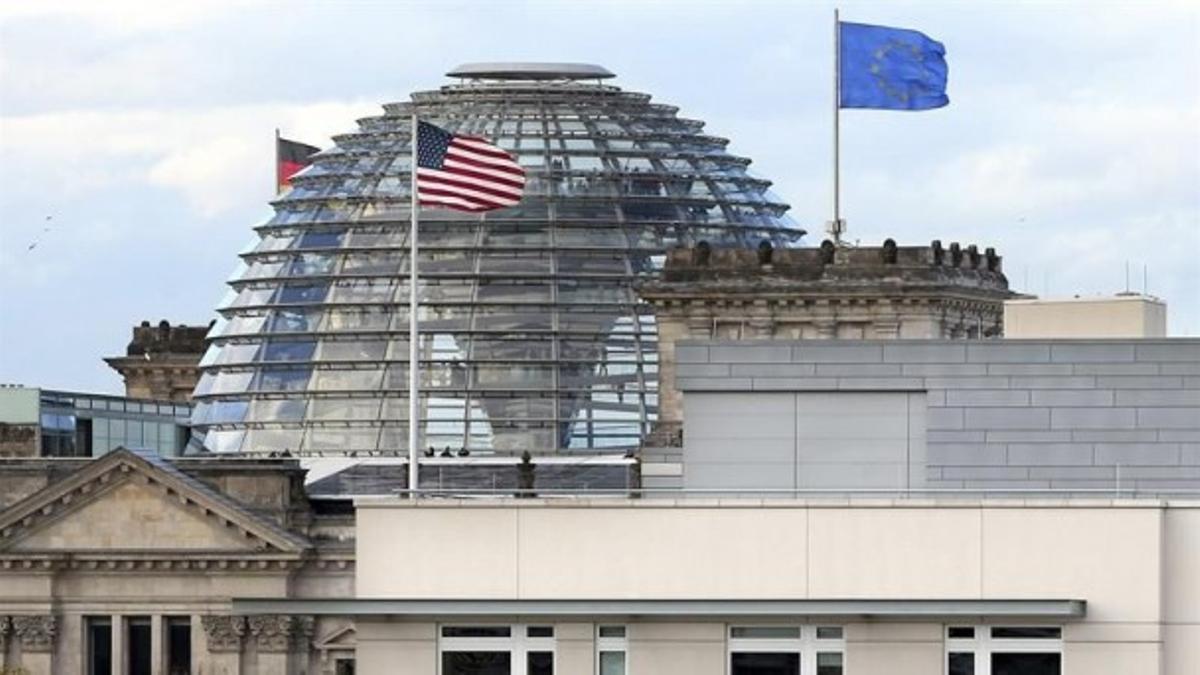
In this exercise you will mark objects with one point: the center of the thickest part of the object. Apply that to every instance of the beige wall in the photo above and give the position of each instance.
(1114, 317)
(1134, 562)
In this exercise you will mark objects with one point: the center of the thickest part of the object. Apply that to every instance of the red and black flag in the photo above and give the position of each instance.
(290, 157)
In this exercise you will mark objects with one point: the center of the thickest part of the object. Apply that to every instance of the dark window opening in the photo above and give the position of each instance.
(179, 646)
(99, 645)
(1026, 664)
(137, 640)
(344, 667)
(539, 663)
(961, 663)
(765, 663)
(476, 663)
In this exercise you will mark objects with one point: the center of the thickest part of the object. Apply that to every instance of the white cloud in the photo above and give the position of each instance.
(217, 158)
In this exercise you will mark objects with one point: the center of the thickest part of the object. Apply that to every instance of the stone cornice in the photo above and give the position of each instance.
(207, 562)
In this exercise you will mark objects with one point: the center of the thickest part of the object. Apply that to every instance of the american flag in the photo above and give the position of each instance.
(465, 173)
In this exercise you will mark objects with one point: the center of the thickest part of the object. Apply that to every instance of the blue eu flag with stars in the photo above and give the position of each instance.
(890, 68)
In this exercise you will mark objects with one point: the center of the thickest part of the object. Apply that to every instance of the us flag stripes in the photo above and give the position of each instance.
(465, 173)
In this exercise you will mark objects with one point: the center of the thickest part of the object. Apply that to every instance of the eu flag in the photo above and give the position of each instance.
(890, 68)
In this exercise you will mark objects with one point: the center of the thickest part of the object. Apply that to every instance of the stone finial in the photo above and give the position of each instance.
(955, 254)
(224, 633)
(939, 254)
(889, 253)
(35, 633)
(973, 256)
(828, 249)
(993, 260)
(279, 632)
(702, 253)
(766, 252)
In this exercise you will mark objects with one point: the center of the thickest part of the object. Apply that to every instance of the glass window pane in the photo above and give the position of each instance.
(829, 663)
(476, 663)
(539, 663)
(612, 663)
(540, 631)
(961, 663)
(766, 632)
(765, 663)
(1027, 632)
(961, 632)
(1026, 664)
(829, 632)
(612, 631)
(476, 631)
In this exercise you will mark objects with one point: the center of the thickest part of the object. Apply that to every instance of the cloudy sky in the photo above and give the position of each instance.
(136, 137)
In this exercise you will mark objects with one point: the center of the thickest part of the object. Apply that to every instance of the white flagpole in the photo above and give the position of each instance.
(413, 331)
(836, 226)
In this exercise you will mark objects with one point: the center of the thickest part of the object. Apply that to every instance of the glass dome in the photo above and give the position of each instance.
(532, 337)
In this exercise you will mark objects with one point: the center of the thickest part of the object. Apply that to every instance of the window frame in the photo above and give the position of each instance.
(983, 645)
(518, 644)
(612, 644)
(807, 644)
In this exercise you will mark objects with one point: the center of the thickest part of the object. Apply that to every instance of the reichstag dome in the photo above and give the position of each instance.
(532, 337)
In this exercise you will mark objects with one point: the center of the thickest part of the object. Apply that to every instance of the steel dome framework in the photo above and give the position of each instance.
(532, 335)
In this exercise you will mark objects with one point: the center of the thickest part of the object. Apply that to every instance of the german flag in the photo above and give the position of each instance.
(290, 157)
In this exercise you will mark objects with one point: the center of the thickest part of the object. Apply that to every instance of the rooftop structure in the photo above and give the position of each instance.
(161, 361)
(1124, 315)
(823, 293)
(533, 338)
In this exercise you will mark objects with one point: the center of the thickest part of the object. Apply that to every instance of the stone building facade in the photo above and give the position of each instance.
(822, 293)
(161, 362)
(129, 563)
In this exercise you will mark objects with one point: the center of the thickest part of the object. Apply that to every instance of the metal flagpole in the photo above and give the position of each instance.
(836, 226)
(413, 332)
(275, 188)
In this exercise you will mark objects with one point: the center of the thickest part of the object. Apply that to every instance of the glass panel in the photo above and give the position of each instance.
(765, 663)
(612, 631)
(829, 663)
(612, 663)
(961, 632)
(476, 631)
(961, 663)
(284, 379)
(1027, 632)
(829, 632)
(1026, 664)
(540, 631)
(766, 632)
(476, 663)
(289, 351)
(99, 645)
(137, 644)
(539, 663)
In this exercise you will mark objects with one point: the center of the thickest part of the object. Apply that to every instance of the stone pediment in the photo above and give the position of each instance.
(127, 502)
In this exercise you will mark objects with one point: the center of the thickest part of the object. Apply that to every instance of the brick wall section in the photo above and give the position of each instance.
(1007, 413)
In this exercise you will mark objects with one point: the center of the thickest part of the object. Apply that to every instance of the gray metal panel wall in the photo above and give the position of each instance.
(1006, 413)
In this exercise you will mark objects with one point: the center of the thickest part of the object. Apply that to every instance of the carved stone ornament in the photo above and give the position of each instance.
(36, 633)
(5, 628)
(224, 633)
(273, 632)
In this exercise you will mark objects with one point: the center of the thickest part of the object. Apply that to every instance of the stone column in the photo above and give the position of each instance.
(223, 635)
(36, 634)
(119, 644)
(158, 657)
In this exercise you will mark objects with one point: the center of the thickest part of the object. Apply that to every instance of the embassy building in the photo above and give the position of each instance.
(831, 461)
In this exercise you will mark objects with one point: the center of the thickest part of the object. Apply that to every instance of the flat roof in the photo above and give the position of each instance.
(915, 608)
(531, 71)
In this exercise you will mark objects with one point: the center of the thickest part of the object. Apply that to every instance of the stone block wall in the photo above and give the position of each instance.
(1062, 414)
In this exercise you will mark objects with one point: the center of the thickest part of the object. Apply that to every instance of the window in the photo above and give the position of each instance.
(612, 650)
(1004, 650)
(137, 645)
(98, 639)
(179, 645)
(497, 650)
(786, 650)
